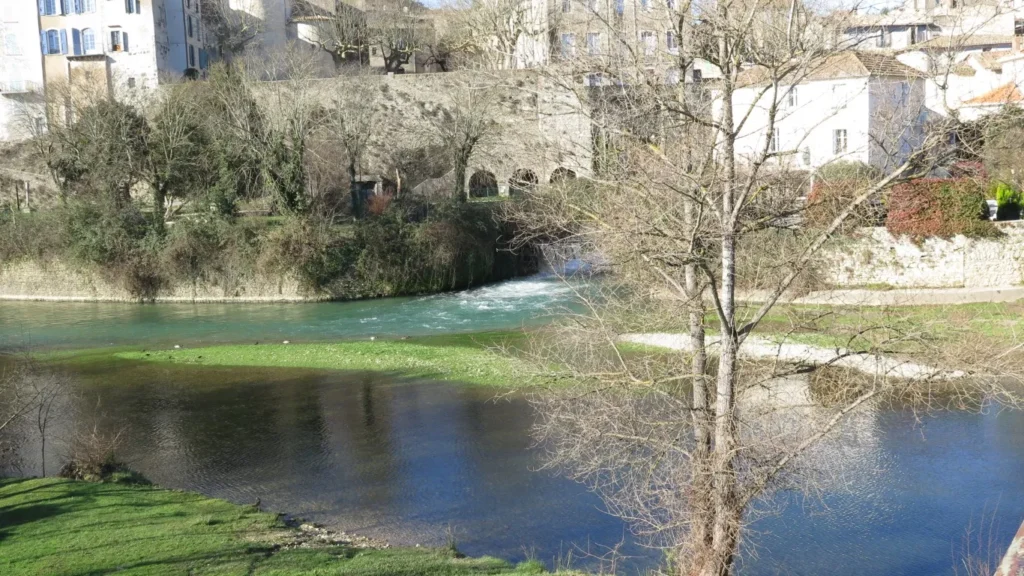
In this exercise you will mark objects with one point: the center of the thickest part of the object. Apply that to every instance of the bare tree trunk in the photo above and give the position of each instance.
(725, 498)
(353, 189)
(701, 534)
(461, 162)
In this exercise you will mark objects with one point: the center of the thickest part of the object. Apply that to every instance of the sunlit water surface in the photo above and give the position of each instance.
(405, 460)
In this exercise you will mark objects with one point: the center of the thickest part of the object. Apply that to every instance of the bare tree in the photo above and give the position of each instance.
(32, 395)
(688, 191)
(353, 120)
(232, 25)
(465, 122)
(342, 33)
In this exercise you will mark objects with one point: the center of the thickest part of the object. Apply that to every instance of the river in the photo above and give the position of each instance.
(408, 460)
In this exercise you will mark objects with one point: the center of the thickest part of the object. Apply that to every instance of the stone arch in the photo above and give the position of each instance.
(562, 174)
(483, 184)
(522, 180)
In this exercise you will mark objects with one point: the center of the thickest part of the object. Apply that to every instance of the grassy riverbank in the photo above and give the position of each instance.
(469, 358)
(60, 527)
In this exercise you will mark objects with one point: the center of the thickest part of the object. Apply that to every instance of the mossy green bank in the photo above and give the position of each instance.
(58, 527)
(480, 359)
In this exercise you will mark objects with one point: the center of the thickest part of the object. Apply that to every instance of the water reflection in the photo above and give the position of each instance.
(404, 460)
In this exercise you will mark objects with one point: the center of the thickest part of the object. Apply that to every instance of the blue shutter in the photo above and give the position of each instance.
(124, 41)
(63, 41)
(64, 7)
(203, 59)
(76, 41)
(78, 6)
(52, 42)
(42, 41)
(42, 7)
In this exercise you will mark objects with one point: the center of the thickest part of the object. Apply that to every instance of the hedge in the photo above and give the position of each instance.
(936, 207)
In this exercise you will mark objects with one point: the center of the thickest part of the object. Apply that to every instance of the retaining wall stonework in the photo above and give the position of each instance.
(875, 257)
(53, 280)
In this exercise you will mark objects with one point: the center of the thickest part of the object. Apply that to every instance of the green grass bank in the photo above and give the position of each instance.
(56, 527)
(468, 358)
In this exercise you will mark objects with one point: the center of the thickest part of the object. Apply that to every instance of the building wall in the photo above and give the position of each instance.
(21, 70)
(808, 128)
(897, 115)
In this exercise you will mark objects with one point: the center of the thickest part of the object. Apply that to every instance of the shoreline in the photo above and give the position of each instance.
(61, 525)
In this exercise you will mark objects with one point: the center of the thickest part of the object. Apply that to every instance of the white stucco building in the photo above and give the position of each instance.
(105, 45)
(855, 106)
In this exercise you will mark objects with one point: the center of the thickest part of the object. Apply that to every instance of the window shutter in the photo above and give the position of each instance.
(76, 41)
(42, 41)
(124, 41)
(42, 7)
(114, 40)
(128, 6)
(64, 7)
(63, 41)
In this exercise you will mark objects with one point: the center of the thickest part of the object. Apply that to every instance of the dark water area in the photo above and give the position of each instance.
(406, 460)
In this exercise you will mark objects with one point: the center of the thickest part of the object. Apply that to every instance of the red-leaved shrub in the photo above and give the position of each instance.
(935, 207)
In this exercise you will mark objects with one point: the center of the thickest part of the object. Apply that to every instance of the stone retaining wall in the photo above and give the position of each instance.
(55, 280)
(875, 258)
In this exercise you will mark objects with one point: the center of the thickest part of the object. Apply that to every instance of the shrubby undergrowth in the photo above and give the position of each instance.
(453, 246)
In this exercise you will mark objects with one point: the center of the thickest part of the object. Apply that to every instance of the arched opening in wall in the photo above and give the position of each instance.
(562, 175)
(522, 181)
(483, 184)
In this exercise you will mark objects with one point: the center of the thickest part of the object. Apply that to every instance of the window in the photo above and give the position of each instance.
(593, 79)
(76, 42)
(620, 7)
(47, 7)
(568, 45)
(11, 47)
(670, 42)
(671, 4)
(645, 4)
(791, 98)
(805, 155)
(773, 141)
(40, 124)
(88, 5)
(88, 40)
(189, 20)
(594, 43)
(131, 82)
(839, 141)
(133, 6)
(65, 7)
(566, 6)
(118, 41)
(647, 39)
(698, 75)
(54, 42)
(188, 4)
(884, 39)
(191, 56)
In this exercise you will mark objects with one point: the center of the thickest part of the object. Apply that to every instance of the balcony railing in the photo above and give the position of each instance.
(18, 87)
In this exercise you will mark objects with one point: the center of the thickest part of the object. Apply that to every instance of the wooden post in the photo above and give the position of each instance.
(1013, 562)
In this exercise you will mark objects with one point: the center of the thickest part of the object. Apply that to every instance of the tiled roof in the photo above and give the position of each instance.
(848, 64)
(963, 69)
(991, 59)
(1005, 94)
(961, 41)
